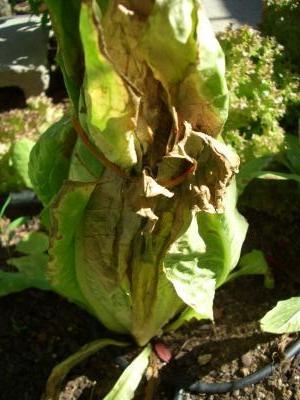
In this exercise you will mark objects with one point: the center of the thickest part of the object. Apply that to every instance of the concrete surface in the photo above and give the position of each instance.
(23, 54)
(237, 12)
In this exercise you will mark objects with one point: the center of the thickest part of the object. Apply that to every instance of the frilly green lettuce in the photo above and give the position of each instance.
(143, 227)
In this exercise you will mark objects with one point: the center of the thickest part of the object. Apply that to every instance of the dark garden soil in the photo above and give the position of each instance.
(39, 329)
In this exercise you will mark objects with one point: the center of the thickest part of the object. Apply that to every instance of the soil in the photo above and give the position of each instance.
(40, 329)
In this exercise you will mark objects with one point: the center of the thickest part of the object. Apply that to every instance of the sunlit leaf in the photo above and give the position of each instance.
(109, 113)
(20, 152)
(126, 385)
(194, 285)
(254, 263)
(223, 235)
(283, 318)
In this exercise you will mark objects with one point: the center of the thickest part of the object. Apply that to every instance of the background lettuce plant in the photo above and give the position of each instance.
(262, 124)
(280, 20)
(261, 89)
(19, 130)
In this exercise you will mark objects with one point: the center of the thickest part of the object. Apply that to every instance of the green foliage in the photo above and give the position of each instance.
(290, 157)
(58, 139)
(14, 166)
(261, 88)
(254, 263)
(31, 265)
(284, 165)
(114, 213)
(281, 20)
(283, 318)
(126, 385)
(19, 130)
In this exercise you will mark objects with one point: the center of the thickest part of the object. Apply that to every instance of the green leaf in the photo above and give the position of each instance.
(66, 215)
(187, 315)
(19, 155)
(223, 235)
(254, 263)
(279, 176)
(251, 170)
(31, 267)
(64, 17)
(256, 168)
(188, 246)
(129, 380)
(205, 84)
(13, 282)
(50, 159)
(179, 45)
(84, 166)
(32, 274)
(4, 206)
(61, 370)
(168, 38)
(194, 285)
(283, 318)
(108, 109)
(33, 243)
(16, 223)
(292, 153)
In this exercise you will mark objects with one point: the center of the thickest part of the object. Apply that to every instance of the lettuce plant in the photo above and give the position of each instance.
(264, 97)
(136, 180)
(280, 19)
(262, 89)
(137, 164)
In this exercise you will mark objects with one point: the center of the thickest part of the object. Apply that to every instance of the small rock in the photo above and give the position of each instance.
(245, 371)
(246, 359)
(75, 388)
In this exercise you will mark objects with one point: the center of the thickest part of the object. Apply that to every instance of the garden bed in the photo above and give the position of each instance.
(40, 329)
